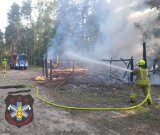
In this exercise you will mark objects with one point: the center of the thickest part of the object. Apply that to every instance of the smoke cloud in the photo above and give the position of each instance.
(100, 29)
(103, 29)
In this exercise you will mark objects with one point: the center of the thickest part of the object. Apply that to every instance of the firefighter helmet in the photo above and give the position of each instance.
(141, 62)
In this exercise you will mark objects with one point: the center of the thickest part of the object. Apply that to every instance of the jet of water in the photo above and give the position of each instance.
(71, 54)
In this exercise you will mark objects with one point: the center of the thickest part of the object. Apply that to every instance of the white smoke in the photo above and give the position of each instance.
(155, 79)
(103, 29)
(100, 28)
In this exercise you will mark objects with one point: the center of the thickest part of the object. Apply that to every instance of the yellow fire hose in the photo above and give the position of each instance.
(77, 108)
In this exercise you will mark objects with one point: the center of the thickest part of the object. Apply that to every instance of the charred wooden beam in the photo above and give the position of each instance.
(144, 54)
(132, 68)
(46, 68)
(116, 60)
(51, 66)
(19, 91)
(124, 62)
(12, 86)
(154, 71)
(130, 63)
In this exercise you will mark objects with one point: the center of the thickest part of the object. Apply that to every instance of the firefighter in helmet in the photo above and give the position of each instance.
(4, 64)
(142, 82)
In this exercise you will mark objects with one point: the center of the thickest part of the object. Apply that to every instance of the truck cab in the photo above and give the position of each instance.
(19, 61)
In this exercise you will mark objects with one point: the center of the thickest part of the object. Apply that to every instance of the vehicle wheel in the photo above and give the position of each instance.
(25, 68)
(15, 67)
(11, 67)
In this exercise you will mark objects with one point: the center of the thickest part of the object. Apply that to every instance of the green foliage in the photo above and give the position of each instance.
(14, 14)
(12, 33)
(26, 9)
(43, 29)
(2, 44)
(1, 39)
(28, 34)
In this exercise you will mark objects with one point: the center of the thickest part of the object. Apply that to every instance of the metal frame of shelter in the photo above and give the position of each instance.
(49, 65)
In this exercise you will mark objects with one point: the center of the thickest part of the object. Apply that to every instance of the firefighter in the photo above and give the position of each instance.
(4, 64)
(142, 82)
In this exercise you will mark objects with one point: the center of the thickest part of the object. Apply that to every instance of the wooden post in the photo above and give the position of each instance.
(43, 69)
(132, 68)
(130, 61)
(110, 68)
(73, 71)
(50, 69)
(46, 68)
(144, 54)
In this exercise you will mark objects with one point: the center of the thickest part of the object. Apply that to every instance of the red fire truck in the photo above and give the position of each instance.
(19, 61)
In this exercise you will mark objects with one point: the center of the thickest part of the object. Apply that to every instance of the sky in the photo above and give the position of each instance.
(5, 7)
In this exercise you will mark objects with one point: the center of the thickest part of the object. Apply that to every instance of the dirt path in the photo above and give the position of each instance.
(49, 120)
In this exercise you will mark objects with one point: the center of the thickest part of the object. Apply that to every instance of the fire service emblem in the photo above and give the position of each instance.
(19, 109)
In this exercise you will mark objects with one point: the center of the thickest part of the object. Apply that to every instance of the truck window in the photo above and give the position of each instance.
(21, 57)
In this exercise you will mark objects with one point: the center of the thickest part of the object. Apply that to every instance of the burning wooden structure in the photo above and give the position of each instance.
(62, 69)
(72, 69)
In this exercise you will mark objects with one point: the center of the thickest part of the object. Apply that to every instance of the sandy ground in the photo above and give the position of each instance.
(50, 120)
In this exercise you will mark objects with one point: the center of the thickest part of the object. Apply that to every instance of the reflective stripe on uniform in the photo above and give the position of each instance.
(133, 96)
(143, 82)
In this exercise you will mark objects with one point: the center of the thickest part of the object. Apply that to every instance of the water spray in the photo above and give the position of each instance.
(95, 61)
